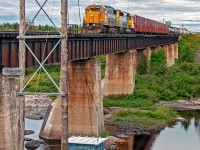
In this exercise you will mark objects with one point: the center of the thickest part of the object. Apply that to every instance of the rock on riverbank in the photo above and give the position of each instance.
(36, 106)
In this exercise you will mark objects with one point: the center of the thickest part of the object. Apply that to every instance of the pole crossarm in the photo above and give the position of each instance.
(42, 37)
(48, 94)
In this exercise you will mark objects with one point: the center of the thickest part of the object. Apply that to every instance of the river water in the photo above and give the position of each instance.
(181, 136)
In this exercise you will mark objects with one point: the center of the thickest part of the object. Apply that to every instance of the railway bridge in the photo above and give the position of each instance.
(123, 54)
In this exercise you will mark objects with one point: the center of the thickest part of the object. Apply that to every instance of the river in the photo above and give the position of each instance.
(181, 136)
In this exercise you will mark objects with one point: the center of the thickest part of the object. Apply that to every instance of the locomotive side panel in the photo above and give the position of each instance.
(111, 16)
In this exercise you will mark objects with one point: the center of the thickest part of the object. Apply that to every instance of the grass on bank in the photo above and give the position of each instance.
(182, 81)
(153, 116)
(41, 82)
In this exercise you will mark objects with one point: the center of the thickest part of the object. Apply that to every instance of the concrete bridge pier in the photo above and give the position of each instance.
(84, 93)
(176, 50)
(171, 55)
(155, 49)
(144, 57)
(9, 114)
(119, 74)
(159, 47)
(135, 60)
(147, 53)
(166, 51)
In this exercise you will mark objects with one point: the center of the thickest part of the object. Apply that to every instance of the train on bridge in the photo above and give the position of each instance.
(106, 19)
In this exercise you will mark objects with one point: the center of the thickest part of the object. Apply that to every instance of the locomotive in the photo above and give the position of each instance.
(106, 19)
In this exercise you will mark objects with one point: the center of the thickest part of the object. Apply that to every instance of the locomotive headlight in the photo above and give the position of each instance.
(94, 24)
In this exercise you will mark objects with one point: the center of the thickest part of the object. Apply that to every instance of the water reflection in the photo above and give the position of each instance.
(139, 142)
(183, 136)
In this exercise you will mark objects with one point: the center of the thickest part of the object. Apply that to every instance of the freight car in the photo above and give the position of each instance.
(106, 19)
(147, 26)
(178, 31)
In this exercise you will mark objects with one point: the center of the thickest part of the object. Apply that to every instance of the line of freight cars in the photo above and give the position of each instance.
(106, 19)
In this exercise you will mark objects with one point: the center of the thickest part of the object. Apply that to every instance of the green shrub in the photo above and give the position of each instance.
(142, 65)
(158, 63)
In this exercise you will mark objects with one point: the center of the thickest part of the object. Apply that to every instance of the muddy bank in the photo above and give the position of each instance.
(193, 104)
(129, 130)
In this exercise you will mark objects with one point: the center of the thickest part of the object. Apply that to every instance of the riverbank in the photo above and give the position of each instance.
(136, 122)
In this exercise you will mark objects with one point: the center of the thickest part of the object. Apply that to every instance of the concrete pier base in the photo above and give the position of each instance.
(166, 50)
(144, 57)
(84, 93)
(119, 76)
(155, 49)
(147, 53)
(135, 61)
(171, 55)
(8, 114)
(176, 50)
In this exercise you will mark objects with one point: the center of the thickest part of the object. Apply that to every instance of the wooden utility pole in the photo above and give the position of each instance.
(22, 78)
(64, 75)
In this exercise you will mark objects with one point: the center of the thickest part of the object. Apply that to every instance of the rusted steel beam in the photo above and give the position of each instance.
(84, 46)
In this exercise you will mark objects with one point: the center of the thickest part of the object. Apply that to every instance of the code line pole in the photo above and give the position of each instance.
(22, 78)
(64, 75)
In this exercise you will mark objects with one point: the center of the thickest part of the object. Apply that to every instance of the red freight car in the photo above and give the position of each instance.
(147, 26)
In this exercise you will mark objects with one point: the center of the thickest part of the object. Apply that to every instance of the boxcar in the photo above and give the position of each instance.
(148, 26)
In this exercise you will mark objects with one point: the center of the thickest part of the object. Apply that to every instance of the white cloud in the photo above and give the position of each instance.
(180, 12)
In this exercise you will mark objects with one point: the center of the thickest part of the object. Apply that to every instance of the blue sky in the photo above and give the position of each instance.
(180, 12)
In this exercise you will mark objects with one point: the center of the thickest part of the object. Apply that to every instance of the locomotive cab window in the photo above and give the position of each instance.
(87, 10)
(91, 8)
(102, 11)
(97, 9)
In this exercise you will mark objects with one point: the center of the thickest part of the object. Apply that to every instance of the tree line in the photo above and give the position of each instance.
(72, 29)
(33, 28)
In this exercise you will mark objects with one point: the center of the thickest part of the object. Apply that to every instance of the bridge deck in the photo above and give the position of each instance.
(79, 46)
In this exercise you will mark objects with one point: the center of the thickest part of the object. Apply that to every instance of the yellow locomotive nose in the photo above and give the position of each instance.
(92, 17)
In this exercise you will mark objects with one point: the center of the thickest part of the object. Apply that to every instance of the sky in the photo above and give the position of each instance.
(184, 13)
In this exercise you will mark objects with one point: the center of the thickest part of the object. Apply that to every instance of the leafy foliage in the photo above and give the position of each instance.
(158, 63)
(142, 65)
(189, 48)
